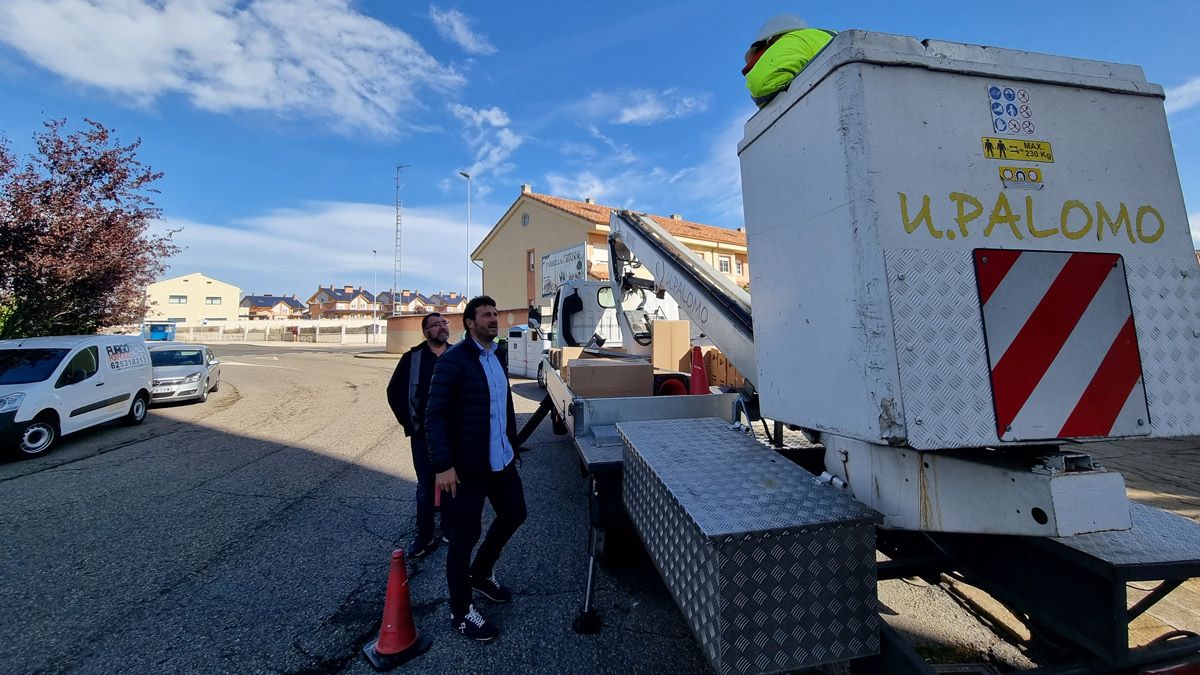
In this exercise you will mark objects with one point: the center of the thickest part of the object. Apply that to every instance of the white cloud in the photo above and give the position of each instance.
(642, 106)
(454, 26)
(487, 134)
(1184, 96)
(1194, 224)
(316, 58)
(709, 191)
(321, 243)
(588, 184)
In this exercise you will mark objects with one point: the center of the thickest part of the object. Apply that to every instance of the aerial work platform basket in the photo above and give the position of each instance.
(967, 246)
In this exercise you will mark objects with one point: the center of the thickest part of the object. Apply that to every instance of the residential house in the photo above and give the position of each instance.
(270, 306)
(444, 302)
(415, 302)
(193, 299)
(536, 225)
(346, 302)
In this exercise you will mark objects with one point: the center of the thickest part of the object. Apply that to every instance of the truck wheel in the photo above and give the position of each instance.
(137, 409)
(541, 378)
(37, 437)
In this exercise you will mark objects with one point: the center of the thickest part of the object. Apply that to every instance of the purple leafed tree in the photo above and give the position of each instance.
(76, 252)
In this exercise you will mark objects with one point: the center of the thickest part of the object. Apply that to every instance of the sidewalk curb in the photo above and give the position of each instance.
(378, 355)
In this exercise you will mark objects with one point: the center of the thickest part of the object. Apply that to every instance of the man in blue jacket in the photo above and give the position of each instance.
(470, 426)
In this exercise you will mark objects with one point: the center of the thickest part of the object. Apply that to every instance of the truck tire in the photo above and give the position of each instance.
(541, 375)
(137, 409)
(37, 436)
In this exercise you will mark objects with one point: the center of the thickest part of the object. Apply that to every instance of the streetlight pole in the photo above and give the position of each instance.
(374, 293)
(466, 175)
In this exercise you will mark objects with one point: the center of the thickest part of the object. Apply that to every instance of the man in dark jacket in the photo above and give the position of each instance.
(408, 398)
(472, 431)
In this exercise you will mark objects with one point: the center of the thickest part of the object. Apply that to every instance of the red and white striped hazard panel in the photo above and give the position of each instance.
(1061, 345)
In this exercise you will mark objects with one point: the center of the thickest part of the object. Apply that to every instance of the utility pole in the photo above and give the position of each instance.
(396, 260)
(374, 294)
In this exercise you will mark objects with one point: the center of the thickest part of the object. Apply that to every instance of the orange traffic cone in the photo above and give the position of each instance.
(699, 380)
(398, 640)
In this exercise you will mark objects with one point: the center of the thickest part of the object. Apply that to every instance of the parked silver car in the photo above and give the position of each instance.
(183, 372)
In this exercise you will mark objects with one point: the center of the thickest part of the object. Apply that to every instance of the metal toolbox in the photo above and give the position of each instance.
(772, 570)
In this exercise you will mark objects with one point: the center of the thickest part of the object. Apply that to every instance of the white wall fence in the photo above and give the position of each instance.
(329, 331)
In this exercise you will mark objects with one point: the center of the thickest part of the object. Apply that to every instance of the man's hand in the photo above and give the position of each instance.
(447, 481)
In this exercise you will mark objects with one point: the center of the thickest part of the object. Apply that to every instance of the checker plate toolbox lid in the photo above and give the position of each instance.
(772, 570)
(873, 185)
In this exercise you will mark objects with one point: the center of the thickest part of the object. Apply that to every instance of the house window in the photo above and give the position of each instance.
(740, 268)
(212, 300)
(723, 261)
(177, 300)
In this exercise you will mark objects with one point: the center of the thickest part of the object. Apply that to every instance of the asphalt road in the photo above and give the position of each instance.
(253, 534)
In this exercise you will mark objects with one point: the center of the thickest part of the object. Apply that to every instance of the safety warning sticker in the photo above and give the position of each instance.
(1061, 345)
(1022, 176)
(1017, 149)
(1012, 109)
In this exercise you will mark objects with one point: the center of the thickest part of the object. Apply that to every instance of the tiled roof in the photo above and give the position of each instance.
(340, 294)
(599, 214)
(271, 300)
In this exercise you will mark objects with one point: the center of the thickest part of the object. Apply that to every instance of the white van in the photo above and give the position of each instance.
(52, 386)
(526, 346)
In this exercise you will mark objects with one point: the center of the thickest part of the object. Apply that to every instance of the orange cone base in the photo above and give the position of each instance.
(382, 662)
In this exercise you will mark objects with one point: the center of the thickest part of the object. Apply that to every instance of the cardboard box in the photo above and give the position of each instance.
(560, 357)
(608, 378)
(671, 349)
(710, 365)
(720, 368)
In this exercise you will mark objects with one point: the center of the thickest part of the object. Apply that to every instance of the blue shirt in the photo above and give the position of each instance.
(500, 451)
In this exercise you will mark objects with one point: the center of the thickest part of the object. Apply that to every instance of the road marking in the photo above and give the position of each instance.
(255, 365)
(272, 358)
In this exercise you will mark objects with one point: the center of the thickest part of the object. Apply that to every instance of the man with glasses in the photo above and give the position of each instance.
(408, 395)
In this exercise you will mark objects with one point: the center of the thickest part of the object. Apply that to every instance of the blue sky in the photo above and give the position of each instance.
(279, 123)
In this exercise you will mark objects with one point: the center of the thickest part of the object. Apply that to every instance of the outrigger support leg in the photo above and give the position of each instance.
(588, 622)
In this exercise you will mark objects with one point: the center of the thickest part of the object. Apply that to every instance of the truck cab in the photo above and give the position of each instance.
(582, 309)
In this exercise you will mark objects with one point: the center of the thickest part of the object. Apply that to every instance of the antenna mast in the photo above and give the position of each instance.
(396, 264)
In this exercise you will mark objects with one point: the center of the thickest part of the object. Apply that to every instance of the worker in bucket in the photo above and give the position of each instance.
(407, 394)
(783, 47)
(471, 427)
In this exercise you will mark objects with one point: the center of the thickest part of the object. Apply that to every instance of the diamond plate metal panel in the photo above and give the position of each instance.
(1156, 538)
(947, 397)
(771, 570)
(1166, 312)
(942, 360)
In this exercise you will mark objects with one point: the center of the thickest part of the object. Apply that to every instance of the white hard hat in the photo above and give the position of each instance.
(781, 23)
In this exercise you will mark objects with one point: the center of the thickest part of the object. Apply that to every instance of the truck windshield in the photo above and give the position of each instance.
(177, 357)
(24, 366)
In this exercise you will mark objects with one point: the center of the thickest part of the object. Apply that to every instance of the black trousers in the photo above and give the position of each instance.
(425, 487)
(504, 490)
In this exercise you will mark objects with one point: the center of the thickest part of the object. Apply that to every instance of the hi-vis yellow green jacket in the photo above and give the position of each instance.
(783, 61)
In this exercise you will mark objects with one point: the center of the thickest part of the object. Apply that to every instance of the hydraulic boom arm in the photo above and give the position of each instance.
(715, 304)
